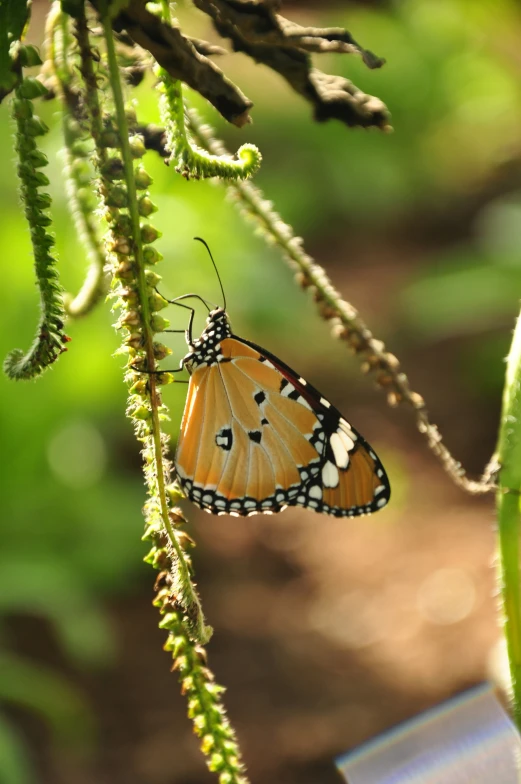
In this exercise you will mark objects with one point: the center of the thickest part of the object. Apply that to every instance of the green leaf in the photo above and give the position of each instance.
(14, 15)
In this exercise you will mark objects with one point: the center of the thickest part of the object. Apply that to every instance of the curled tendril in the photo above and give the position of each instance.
(50, 338)
(191, 160)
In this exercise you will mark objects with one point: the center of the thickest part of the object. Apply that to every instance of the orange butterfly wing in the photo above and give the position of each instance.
(256, 438)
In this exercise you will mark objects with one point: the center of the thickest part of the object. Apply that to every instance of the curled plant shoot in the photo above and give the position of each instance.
(193, 161)
(50, 337)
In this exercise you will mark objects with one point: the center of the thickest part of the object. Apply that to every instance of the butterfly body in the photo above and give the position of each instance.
(256, 437)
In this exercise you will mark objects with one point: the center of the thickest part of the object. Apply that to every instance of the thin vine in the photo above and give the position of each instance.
(50, 337)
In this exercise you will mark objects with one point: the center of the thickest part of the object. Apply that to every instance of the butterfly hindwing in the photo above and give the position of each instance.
(255, 437)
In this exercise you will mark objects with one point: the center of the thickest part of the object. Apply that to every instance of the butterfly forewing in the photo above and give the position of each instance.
(255, 437)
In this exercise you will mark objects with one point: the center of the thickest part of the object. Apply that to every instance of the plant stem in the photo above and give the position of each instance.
(508, 504)
(146, 313)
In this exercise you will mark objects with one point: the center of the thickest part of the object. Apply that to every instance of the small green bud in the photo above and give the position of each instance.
(81, 148)
(216, 762)
(149, 233)
(25, 145)
(150, 556)
(113, 169)
(29, 56)
(38, 179)
(207, 744)
(32, 88)
(42, 220)
(146, 206)
(131, 319)
(126, 293)
(43, 201)
(73, 128)
(124, 271)
(22, 109)
(199, 723)
(163, 379)
(35, 127)
(157, 302)
(141, 412)
(117, 197)
(123, 225)
(161, 351)
(151, 255)
(152, 278)
(171, 621)
(140, 387)
(121, 246)
(137, 148)
(158, 323)
(37, 159)
(142, 179)
(81, 172)
(87, 199)
(135, 340)
(109, 138)
(131, 116)
(174, 492)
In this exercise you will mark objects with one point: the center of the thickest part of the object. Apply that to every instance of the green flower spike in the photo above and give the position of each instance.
(50, 338)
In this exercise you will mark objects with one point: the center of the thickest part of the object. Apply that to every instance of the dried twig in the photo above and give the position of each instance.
(255, 29)
(178, 55)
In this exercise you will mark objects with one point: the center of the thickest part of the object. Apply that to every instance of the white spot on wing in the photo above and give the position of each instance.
(303, 402)
(288, 389)
(348, 442)
(315, 491)
(347, 429)
(269, 364)
(325, 402)
(379, 489)
(330, 475)
(381, 502)
(339, 451)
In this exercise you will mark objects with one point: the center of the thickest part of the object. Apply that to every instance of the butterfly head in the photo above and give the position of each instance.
(218, 317)
(207, 348)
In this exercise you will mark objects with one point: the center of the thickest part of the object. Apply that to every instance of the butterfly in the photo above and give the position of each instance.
(256, 437)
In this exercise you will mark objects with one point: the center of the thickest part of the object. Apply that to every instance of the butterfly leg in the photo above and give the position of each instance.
(188, 334)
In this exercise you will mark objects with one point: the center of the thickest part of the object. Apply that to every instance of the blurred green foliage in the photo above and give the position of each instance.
(70, 486)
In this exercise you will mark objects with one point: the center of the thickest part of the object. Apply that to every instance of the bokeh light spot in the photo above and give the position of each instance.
(77, 454)
(446, 596)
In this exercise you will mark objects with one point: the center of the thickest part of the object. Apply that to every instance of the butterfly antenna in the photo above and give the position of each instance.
(199, 239)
